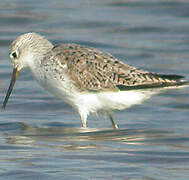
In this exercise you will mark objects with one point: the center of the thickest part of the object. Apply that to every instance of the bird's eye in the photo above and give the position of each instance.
(14, 55)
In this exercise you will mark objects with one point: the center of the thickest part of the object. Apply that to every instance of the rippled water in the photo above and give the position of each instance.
(41, 138)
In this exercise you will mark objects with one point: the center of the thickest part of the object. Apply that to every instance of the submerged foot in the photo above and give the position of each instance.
(115, 126)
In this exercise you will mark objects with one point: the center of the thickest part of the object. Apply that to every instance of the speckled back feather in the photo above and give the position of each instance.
(93, 70)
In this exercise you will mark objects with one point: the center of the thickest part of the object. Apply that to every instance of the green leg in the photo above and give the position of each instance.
(115, 126)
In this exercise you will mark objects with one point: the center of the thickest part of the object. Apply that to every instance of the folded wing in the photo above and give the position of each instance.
(93, 70)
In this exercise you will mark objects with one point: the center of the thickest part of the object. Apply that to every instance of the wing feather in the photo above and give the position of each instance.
(93, 70)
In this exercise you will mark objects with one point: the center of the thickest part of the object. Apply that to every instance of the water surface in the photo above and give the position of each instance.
(41, 138)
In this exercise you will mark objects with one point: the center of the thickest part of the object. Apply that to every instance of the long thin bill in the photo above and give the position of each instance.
(13, 80)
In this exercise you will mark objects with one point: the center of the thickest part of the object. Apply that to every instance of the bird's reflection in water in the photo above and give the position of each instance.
(79, 138)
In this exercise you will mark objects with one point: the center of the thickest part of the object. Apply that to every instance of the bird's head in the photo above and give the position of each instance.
(24, 52)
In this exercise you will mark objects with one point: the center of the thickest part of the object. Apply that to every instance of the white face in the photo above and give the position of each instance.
(26, 48)
(15, 57)
(20, 57)
(21, 52)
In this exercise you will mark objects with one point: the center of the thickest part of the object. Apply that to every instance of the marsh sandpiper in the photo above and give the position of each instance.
(84, 77)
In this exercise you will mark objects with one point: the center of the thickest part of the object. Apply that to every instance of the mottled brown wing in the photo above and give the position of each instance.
(93, 70)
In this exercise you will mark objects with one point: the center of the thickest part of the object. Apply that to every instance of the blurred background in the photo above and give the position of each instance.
(41, 138)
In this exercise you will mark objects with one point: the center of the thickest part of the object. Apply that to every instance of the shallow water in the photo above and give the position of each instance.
(41, 138)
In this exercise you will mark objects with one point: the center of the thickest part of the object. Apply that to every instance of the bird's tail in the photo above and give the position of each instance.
(153, 80)
(173, 80)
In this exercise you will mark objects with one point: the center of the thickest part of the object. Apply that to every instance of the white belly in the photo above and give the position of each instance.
(123, 99)
(112, 100)
(90, 102)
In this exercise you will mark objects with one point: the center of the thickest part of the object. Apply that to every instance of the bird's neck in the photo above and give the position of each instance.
(35, 58)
